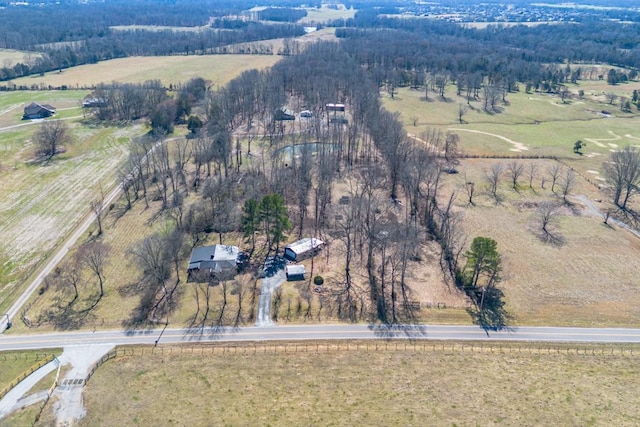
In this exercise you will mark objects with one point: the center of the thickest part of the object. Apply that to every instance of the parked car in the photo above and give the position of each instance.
(306, 113)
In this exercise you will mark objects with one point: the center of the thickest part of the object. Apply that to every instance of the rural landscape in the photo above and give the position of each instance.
(414, 213)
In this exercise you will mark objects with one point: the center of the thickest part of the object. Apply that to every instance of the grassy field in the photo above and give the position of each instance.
(219, 69)
(324, 14)
(507, 385)
(41, 202)
(11, 57)
(588, 278)
(15, 363)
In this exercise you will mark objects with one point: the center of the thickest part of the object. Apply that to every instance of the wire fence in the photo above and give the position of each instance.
(41, 360)
(370, 346)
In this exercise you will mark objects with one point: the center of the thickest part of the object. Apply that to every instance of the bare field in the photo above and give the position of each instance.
(367, 383)
(168, 69)
(11, 57)
(41, 203)
(324, 14)
(587, 278)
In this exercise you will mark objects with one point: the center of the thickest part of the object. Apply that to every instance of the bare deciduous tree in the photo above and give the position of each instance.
(492, 176)
(567, 183)
(49, 136)
(554, 172)
(623, 170)
(94, 255)
(532, 171)
(515, 169)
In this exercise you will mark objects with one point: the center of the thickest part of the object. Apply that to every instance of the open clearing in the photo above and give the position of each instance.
(11, 57)
(170, 70)
(350, 384)
(589, 278)
(41, 203)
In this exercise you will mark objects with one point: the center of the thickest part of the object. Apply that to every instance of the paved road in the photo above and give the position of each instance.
(320, 332)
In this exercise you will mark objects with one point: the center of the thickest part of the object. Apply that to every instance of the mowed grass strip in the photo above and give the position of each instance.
(168, 69)
(374, 384)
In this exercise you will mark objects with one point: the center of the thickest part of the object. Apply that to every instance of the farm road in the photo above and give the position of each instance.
(34, 122)
(60, 254)
(593, 210)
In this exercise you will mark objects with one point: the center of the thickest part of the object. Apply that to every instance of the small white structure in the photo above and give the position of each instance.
(295, 272)
(304, 248)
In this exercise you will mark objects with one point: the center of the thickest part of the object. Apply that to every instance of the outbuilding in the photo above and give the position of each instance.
(294, 272)
(38, 111)
(304, 248)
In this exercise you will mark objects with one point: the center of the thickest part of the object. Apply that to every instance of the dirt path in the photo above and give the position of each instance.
(517, 146)
(68, 404)
(592, 210)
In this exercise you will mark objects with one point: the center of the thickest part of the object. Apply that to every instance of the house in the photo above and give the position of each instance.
(294, 272)
(284, 114)
(38, 111)
(335, 108)
(303, 248)
(216, 261)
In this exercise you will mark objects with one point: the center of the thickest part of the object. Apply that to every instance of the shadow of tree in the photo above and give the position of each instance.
(488, 311)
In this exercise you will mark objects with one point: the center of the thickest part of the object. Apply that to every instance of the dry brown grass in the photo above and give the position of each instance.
(587, 278)
(168, 69)
(519, 384)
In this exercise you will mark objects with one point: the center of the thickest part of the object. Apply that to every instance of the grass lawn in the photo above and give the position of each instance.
(511, 385)
(168, 69)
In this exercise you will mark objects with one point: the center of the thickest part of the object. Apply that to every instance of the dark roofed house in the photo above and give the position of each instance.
(284, 114)
(38, 111)
(217, 261)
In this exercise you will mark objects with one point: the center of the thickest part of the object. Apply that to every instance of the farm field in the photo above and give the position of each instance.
(41, 203)
(348, 383)
(10, 57)
(324, 14)
(170, 70)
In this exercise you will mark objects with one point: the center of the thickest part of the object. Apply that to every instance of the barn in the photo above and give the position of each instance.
(304, 248)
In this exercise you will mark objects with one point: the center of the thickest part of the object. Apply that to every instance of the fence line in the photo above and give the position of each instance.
(25, 374)
(375, 346)
(49, 393)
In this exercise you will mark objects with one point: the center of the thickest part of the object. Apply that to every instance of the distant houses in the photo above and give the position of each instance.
(38, 111)
(220, 262)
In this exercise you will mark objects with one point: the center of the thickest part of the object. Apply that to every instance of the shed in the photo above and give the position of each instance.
(38, 111)
(218, 261)
(304, 248)
(294, 272)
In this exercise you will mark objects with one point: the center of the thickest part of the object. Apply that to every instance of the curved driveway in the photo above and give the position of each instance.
(321, 332)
